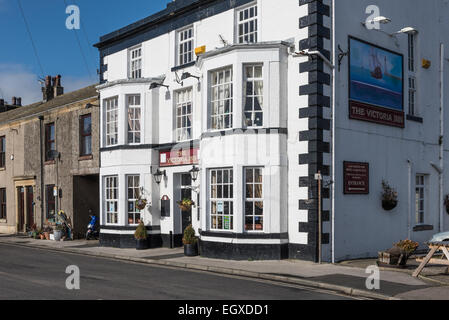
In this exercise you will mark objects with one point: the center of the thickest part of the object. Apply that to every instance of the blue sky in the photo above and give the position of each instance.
(57, 46)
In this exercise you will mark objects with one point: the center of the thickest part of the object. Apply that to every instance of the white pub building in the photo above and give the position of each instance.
(302, 129)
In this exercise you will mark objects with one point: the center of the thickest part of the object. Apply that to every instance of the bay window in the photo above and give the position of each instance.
(253, 93)
(221, 204)
(134, 117)
(111, 121)
(221, 95)
(254, 204)
(111, 199)
(133, 196)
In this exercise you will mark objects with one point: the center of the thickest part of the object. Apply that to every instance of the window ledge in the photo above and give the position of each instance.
(49, 162)
(3, 221)
(423, 227)
(3, 169)
(415, 118)
(183, 66)
(85, 158)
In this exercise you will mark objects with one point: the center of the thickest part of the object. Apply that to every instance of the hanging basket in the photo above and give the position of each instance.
(389, 205)
(185, 205)
(141, 204)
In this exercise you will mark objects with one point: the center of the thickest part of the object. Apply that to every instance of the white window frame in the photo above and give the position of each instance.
(182, 115)
(253, 199)
(253, 96)
(134, 120)
(420, 198)
(134, 199)
(182, 52)
(217, 114)
(108, 190)
(110, 112)
(215, 199)
(133, 71)
(241, 20)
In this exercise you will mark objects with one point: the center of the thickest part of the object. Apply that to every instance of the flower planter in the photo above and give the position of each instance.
(47, 235)
(185, 207)
(58, 235)
(191, 250)
(389, 205)
(141, 244)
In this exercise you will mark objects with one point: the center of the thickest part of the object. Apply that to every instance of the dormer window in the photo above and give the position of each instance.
(135, 63)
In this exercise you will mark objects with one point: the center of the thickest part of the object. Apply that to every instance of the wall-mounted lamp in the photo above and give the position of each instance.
(155, 85)
(158, 175)
(187, 75)
(194, 173)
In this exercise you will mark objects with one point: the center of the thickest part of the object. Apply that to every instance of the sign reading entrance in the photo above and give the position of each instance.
(178, 157)
(356, 178)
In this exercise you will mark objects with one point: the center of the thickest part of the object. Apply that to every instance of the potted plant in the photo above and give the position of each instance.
(389, 197)
(41, 234)
(47, 230)
(58, 232)
(186, 204)
(190, 242)
(398, 255)
(141, 237)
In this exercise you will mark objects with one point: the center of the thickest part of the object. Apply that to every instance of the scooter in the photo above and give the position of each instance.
(92, 232)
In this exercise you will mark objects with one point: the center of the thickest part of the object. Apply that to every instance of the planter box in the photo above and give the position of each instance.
(392, 260)
(191, 250)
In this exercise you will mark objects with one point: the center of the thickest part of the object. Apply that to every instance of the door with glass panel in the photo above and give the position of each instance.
(186, 193)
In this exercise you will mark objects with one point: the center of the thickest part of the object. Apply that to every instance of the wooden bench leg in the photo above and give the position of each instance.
(425, 262)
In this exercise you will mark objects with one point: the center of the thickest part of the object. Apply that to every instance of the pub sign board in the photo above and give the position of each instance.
(178, 157)
(376, 84)
(356, 177)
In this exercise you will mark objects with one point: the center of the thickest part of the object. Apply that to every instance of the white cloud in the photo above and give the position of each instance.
(16, 80)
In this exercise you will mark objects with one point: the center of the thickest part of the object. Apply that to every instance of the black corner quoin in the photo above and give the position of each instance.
(315, 112)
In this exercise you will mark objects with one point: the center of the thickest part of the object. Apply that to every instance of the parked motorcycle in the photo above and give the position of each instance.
(92, 232)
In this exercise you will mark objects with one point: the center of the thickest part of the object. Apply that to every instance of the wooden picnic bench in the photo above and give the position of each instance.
(434, 248)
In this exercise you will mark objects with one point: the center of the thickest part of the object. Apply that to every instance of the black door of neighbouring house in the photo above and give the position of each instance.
(186, 193)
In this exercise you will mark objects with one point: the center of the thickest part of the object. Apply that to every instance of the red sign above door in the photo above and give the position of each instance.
(178, 157)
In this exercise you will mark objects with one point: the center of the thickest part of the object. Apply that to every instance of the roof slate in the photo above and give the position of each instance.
(43, 107)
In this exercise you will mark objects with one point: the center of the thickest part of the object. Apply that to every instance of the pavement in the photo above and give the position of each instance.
(348, 278)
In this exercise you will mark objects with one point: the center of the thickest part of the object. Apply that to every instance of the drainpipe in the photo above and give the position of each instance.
(332, 133)
(41, 121)
(441, 140)
(409, 209)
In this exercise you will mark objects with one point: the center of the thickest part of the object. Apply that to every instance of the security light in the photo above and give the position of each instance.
(407, 30)
(154, 85)
(380, 19)
(187, 75)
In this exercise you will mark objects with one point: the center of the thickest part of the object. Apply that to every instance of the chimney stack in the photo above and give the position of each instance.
(19, 102)
(14, 101)
(52, 88)
(2, 102)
